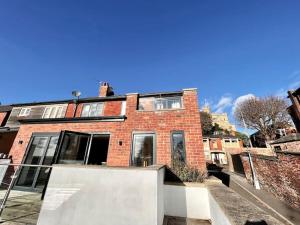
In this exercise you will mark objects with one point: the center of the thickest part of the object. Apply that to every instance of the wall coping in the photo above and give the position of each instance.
(79, 166)
(266, 157)
(287, 153)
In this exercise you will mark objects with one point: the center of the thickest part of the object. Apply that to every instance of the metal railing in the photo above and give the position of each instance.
(13, 177)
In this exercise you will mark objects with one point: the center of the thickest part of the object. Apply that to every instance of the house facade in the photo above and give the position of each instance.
(217, 148)
(127, 130)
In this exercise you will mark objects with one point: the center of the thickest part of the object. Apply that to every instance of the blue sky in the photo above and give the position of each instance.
(226, 49)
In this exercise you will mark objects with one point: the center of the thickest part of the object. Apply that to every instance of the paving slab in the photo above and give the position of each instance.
(22, 208)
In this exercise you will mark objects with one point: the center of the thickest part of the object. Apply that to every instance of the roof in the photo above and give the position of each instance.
(5, 108)
(289, 138)
(93, 99)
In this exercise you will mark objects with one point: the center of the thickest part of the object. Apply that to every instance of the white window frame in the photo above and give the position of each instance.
(158, 103)
(53, 112)
(90, 107)
(123, 108)
(24, 112)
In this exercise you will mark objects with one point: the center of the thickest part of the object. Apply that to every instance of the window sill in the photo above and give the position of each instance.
(161, 110)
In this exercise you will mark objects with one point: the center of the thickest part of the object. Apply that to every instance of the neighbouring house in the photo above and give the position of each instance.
(259, 141)
(294, 109)
(289, 143)
(7, 134)
(221, 119)
(217, 148)
(115, 130)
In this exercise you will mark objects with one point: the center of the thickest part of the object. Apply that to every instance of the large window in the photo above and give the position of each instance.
(163, 103)
(178, 146)
(92, 109)
(54, 112)
(168, 103)
(143, 150)
(25, 112)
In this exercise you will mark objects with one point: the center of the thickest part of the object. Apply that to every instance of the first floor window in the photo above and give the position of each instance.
(92, 109)
(168, 103)
(178, 146)
(54, 112)
(25, 112)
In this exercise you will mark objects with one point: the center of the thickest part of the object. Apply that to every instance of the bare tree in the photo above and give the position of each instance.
(263, 114)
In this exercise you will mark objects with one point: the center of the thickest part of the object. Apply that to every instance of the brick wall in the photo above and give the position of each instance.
(279, 175)
(292, 146)
(160, 122)
(2, 117)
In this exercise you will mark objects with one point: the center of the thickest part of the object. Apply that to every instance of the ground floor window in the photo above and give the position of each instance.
(143, 149)
(178, 146)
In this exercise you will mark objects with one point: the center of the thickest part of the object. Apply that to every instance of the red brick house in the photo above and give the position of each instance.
(125, 130)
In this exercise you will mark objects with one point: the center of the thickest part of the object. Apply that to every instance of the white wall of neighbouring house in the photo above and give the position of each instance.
(103, 195)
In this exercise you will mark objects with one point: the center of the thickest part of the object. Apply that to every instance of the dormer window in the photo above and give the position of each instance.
(25, 112)
(54, 112)
(92, 109)
(168, 103)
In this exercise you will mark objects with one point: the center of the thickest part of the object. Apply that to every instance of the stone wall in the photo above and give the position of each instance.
(279, 175)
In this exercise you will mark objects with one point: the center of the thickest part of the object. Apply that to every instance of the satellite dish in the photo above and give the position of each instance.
(76, 93)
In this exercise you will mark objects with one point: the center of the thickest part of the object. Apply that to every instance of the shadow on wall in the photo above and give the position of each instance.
(216, 171)
(261, 222)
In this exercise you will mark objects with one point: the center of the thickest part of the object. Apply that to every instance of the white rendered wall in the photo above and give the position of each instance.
(80, 195)
(187, 201)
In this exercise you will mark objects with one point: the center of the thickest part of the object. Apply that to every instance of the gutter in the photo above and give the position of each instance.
(76, 119)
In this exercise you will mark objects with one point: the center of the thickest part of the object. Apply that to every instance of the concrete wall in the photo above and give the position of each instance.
(187, 201)
(103, 195)
(217, 215)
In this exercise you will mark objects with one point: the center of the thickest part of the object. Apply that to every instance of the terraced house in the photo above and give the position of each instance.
(124, 130)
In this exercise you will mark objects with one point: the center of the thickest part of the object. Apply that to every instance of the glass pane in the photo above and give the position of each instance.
(178, 147)
(47, 112)
(73, 149)
(35, 153)
(53, 112)
(146, 104)
(59, 112)
(93, 110)
(43, 175)
(99, 109)
(85, 110)
(143, 150)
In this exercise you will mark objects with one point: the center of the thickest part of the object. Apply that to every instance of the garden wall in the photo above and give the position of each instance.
(279, 174)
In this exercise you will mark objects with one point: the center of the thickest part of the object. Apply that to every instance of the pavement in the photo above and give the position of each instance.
(22, 208)
(170, 220)
(263, 199)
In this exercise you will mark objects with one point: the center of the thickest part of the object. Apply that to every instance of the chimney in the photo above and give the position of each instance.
(105, 90)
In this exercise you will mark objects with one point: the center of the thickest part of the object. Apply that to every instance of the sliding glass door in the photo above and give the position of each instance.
(143, 149)
(73, 147)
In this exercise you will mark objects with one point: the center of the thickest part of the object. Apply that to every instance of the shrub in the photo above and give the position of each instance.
(186, 173)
